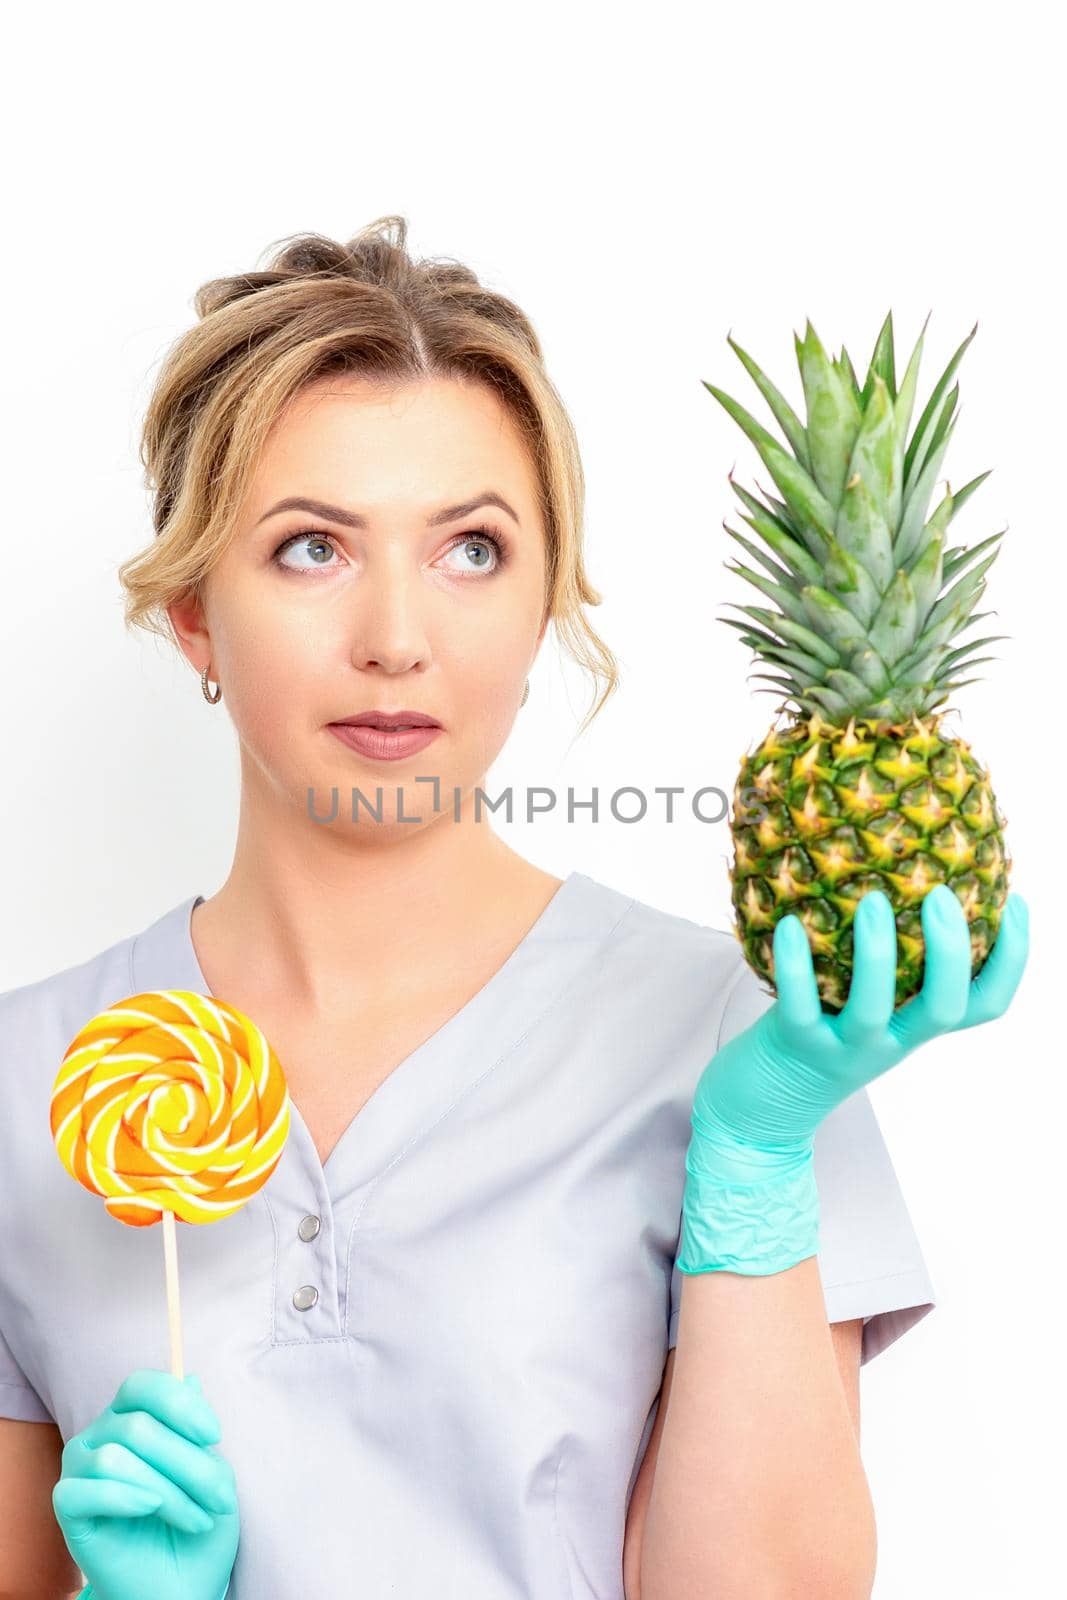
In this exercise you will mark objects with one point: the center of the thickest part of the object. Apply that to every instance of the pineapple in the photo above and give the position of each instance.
(863, 788)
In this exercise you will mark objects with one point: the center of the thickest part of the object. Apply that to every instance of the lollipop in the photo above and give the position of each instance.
(167, 1104)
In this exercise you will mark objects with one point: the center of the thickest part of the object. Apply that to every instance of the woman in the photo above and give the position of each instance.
(436, 1350)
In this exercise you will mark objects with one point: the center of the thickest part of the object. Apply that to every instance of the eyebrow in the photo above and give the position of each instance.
(352, 519)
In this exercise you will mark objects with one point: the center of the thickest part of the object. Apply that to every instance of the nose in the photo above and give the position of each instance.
(389, 625)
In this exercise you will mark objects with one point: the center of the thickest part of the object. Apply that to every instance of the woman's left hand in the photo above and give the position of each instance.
(776, 1082)
(750, 1202)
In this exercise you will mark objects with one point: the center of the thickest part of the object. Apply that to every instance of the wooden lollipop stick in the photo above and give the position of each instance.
(170, 1258)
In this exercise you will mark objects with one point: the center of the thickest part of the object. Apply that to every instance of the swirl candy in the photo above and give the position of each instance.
(170, 1102)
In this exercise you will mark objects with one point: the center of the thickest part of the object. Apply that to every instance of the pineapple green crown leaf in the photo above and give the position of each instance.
(870, 600)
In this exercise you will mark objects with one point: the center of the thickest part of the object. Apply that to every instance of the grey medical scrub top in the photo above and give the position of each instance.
(462, 1409)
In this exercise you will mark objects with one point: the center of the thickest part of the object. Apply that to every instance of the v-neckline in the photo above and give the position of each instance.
(424, 1085)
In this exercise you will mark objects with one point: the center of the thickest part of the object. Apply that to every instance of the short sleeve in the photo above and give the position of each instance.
(19, 1400)
(870, 1261)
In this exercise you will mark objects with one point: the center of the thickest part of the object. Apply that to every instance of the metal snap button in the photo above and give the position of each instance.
(309, 1227)
(305, 1297)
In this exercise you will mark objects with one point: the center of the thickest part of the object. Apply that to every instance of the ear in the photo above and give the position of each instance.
(187, 619)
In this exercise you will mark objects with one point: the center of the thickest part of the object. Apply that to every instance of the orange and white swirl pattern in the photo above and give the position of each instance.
(170, 1101)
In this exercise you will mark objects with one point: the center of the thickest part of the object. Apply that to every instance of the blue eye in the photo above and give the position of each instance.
(482, 536)
(309, 538)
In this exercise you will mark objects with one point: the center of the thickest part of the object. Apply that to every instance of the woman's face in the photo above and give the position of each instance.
(308, 619)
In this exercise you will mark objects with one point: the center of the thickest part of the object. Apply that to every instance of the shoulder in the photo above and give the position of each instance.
(638, 923)
(661, 956)
(61, 1001)
(38, 1021)
(653, 998)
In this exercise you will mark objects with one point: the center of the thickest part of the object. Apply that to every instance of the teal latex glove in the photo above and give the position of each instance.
(145, 1505)
(750, 1203)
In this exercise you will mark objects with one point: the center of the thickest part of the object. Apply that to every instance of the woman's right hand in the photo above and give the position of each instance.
(145, 1505)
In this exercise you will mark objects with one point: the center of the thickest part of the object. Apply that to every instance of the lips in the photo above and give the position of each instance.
(388, 720)
(384, 744)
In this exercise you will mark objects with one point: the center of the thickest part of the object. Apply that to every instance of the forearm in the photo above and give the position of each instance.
(759, 1490)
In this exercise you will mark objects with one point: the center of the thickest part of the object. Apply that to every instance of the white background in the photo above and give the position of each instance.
(642, 183)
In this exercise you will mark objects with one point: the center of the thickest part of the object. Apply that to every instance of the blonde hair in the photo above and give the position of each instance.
(321, 308)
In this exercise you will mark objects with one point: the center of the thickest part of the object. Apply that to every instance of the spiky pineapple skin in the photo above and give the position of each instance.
(823, 814)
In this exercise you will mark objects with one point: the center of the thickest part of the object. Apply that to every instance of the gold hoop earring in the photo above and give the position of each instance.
(525, 694)
(212, 699)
